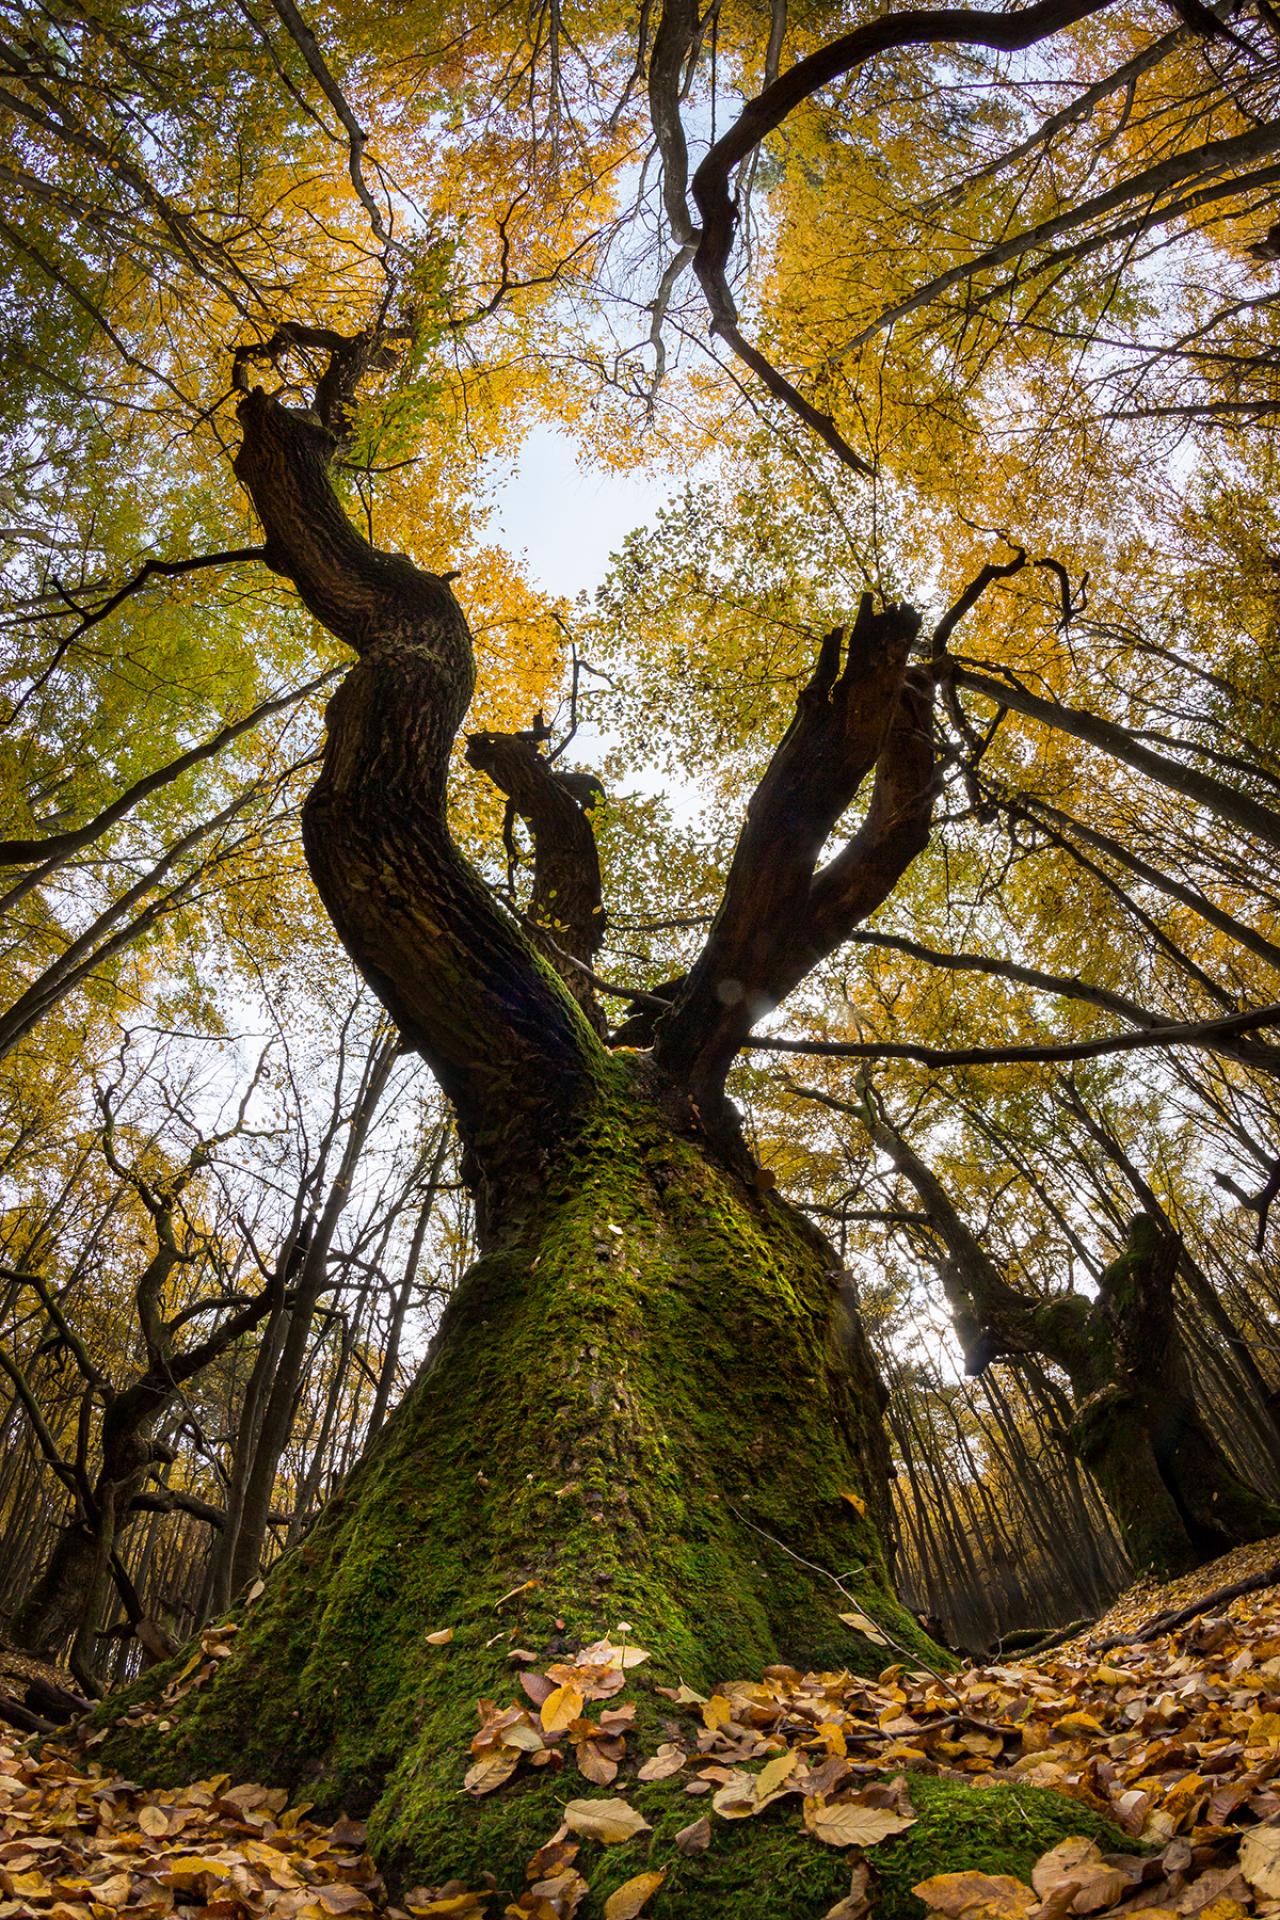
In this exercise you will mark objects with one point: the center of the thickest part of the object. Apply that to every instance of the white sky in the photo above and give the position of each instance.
(567, 518)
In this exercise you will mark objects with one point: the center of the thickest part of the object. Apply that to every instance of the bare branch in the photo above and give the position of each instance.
(1185, 1033)
(309, 47)
(959, 26)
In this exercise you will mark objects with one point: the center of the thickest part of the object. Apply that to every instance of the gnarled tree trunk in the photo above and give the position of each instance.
(650, 1403)
(1135, 1425)
(651, 1412)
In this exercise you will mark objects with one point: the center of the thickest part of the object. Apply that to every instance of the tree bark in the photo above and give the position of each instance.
(1135, 1424)
(243, 1551)
(652, 1401)
(649, 1403)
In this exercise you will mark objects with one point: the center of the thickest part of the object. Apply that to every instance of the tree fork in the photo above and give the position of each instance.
(652, 1399)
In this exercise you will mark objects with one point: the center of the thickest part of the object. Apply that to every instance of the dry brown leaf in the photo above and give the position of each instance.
(976, 1896)
(1260, 1860)
(695, 1838)
(449, 1906)
(862, 1623)
(717, 1712)
(604, 1653)
(667, 1760)
(736, 1799)
(559, 1895)
(493, 1769)
(594, 1764)
(774, 1772)
(1056, 1865)
(682, 1695)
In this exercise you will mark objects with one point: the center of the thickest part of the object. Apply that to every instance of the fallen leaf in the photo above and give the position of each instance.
(605, 1653)
(976, 1896)
(1260, 1860)
(537, 1686)
(695, 1838)
(736, 1800)
(774, 1772)
(561, 1708)
(682, 1695)
(1056, 1865)
(594, 1764)
(523, 1736)
(493, 1769)
(450, 1906)
(847, 1823)
(630, 1899)
(609, 1821)
(660, 1766)
(863, 1624)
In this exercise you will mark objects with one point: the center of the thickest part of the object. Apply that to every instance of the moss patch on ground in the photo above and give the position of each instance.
(770, 1868)
(991, 1828)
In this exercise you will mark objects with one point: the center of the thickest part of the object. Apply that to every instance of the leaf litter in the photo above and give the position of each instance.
(1176, 1739)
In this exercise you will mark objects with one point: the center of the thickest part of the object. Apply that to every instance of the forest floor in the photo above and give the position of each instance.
(1176, 1738)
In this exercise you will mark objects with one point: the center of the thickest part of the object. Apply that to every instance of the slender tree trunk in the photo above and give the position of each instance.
(400, 1305)
(282, 1399)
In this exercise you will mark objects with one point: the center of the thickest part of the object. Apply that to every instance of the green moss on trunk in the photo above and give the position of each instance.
(657, 1371)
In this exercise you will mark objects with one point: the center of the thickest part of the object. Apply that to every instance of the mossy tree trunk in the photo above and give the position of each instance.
(1135, 1425)
(652, 1401)
(650, 1413)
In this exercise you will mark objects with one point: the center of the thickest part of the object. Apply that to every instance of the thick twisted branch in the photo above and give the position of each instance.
(457, 976)
(779, 917)
(566, 898)
(763, 115)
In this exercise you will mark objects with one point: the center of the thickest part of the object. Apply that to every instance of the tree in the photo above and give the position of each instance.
(1134, 1424)
(648, 1321)
(652, 1401)
(176, 1346)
